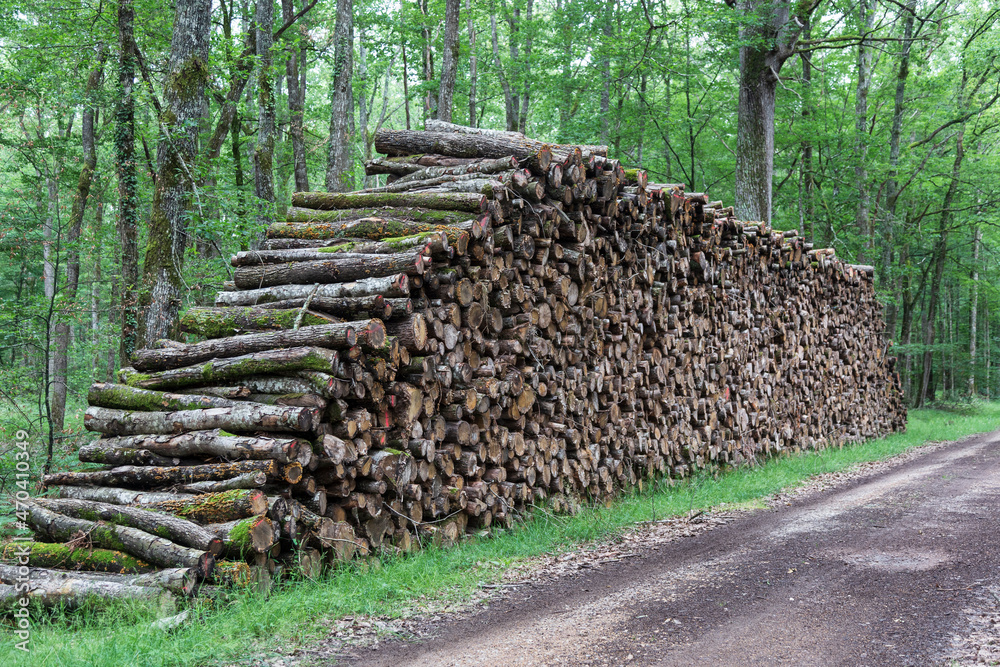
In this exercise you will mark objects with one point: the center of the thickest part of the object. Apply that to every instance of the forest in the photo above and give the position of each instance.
(143, 143)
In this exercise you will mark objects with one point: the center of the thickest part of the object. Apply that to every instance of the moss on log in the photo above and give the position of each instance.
(67, 556)
(223, 322)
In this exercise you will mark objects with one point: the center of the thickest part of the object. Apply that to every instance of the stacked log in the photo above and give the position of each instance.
(503, 323)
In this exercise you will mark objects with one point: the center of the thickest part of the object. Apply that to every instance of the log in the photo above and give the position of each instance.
(438, 202)
(406, 142)
(340, 335)
(338, 268)
(222, 322)
(388, 286)
(248, 480)
(179, 580)
(348, 308)
(152, 549)
(235, 368)
(411, 332)
(140, 476)
(170, 527)
(429, 242)
(240, 417)
(244, 537)
(111, 395)
(207, 443)
(297, 215)
(115, 456)
(52, 555)
(73, 592)
(386, 230)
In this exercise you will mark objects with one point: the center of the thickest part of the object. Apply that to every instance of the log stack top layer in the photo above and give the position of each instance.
(504, 322)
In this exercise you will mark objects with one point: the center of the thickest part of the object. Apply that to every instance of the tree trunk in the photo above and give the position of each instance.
(340, 157)
(865, 22)
(977, 237)
(940, 257)
(522, 116)
(62, 328)
(224, 322)
(203, 508)
(66, 590)
(173, 198)
(127, 221)
(508, 96)
(245, 537)
(472, 63)
(263, 153)
(295, 72)
(120, 396)
(759, 70)
(889, 229)
(449, 60)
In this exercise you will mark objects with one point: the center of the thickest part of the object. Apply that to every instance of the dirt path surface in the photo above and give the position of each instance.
(899, 568)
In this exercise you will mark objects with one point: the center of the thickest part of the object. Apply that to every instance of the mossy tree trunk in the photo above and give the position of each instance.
(174, 196)
(340, 163)
(263, 154)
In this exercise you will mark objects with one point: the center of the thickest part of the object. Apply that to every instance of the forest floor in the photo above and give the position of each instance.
(892, 563)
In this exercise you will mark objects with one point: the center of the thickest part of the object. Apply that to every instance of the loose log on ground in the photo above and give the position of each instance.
(75, 592)
(179, 580)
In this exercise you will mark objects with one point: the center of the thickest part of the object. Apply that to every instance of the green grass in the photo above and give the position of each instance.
(244, 627)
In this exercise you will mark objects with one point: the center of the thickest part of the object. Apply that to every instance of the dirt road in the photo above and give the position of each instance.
(902, 568)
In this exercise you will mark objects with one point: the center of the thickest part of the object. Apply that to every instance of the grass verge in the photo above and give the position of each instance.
(244, 629)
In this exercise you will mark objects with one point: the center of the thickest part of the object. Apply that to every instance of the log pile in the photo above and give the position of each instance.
(505, 323)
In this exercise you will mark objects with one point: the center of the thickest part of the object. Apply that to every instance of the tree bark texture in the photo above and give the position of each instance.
(174, 196)
(340, 160)
(263, 152)
(449, 60)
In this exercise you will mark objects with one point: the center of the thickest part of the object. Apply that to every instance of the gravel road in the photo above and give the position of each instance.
(897, 568)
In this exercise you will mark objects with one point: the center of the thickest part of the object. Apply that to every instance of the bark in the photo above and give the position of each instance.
(154, 550)
(179, 580)
(127, 221)
(336, 269)
(70, 591)
(241, 417)
(208, 443)
(297, 215)
(977, 237)
(222, 322)
(339, 335)
(508, 96)
(438, 201)
(49, 555)
(109, 395)
(866, 20)
(390, 286)
(430, 243)
(69, 292)
(248, 480)
(174, 196)
(140, 476)
(171, 527)
(473, 65)
(759, 70)
(449, 60)
(212, 507)
(267, 361)
(350, 308)
(263, 153)
(295, 75)
(387, 231)
(940, 258)
(522, 116)
(340, 159)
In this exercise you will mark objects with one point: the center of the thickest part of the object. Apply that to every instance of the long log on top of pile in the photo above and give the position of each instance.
(503, 323)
